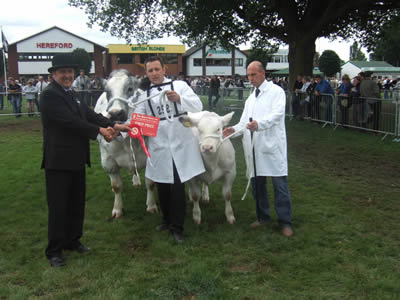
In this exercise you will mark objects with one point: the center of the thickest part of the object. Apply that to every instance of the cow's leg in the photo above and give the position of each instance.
(151, 199)
(205, 196)
(116, 184)
(195, 195)
(227, 193)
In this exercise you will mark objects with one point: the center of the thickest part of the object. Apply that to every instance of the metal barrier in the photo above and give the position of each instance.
(364, 114)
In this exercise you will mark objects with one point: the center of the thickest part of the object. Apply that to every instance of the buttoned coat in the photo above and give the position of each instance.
(268, 109)
(67, 128)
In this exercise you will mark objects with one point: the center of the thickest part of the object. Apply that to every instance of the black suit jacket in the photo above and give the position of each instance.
(67, 128)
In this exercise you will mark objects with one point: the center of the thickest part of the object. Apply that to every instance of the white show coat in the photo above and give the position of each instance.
(268, 109)
(173, 141)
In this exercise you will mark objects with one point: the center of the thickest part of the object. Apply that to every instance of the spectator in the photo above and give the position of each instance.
(296, 97)
(30, 91)
(370, 92)
(359, 104)
(324, 89)
(344, 102)
(40, 86)
(305, 97)
(14, 92)
(82, 86)
(241, 87)
(213, 91)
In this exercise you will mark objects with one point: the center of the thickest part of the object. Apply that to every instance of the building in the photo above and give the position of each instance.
(278, 60)
(132, 57)
(32, 56)
(206, 61)
(380, 69)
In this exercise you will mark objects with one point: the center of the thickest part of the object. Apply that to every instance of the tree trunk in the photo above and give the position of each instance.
(301, 55)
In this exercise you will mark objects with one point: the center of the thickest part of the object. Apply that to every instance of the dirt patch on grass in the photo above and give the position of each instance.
(33, 125)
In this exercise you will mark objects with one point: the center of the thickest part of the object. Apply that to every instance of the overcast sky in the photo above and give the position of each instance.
(22, 18)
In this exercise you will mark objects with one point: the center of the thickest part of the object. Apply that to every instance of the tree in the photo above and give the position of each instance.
(260, 54)
(82, 59)
(234, 22)
(329, 63)
(356, 53)
(387, 45)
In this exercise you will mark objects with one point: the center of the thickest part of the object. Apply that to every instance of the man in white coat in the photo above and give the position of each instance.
(175, 154)
(265, 107)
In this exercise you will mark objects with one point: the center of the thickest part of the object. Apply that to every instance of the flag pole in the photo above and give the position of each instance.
(4, 62)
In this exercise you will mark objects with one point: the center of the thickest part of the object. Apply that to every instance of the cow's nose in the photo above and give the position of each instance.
(207, 148)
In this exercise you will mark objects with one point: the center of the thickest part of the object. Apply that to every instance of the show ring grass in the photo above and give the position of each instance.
(345, 188)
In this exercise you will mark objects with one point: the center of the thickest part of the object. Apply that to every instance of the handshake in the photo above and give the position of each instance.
(110, 133)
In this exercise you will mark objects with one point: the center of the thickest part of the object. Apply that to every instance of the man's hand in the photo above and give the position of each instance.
(228, 131)
(108, 133)
(253, 126)
(122, 127)
(173, 96)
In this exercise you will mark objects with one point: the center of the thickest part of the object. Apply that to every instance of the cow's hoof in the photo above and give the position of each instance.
(117, 213)
(231, 220)
(152, 209)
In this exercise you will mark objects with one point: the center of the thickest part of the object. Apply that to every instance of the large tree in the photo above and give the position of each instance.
(387, 44)
(297, 23)
(260, 54)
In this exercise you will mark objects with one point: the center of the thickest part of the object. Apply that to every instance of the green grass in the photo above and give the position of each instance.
(345, 188)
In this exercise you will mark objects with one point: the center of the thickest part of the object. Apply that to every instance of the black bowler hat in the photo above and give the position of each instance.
(62, 60)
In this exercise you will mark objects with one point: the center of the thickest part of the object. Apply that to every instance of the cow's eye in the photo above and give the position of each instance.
(130, 90)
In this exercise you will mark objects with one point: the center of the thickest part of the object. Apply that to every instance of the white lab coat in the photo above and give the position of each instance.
(268, 109)
(173, 142)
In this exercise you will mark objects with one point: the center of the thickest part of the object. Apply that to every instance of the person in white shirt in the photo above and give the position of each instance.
(40, 86)
(264, 116)
(175, 153)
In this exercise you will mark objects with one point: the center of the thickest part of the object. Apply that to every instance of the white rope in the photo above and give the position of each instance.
(251, 150)
(133, 156)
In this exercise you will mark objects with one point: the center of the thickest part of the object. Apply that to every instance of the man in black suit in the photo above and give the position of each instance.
(68, 124)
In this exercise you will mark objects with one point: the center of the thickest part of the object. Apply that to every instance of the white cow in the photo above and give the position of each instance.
(218, 157)
(114, 104)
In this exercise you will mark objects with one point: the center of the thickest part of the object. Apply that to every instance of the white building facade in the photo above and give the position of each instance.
(206, 61)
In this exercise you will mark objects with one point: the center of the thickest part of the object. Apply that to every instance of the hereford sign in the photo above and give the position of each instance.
(54, 45)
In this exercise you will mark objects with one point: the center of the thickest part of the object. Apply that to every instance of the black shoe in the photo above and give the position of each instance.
(82, 249)
(57, 261)
(178, 237)
(162, 227)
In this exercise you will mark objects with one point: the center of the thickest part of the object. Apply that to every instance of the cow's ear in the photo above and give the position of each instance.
(227, 118)
(185, 120)
(191, 119)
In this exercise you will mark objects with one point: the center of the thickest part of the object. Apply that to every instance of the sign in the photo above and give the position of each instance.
(53, 45)
(210, 52)
(136, 48)
(148, 124)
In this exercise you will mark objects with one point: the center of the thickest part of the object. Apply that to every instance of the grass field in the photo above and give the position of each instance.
(345, 189)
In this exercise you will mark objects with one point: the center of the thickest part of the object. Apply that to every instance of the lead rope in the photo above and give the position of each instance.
(251, 149)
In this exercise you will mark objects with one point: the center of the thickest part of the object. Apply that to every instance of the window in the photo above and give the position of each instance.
(218, 62)
(197, 62)
(124, 59)
(239, 62)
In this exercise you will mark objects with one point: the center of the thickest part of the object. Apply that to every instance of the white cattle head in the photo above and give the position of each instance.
(120, 89)
(209, 126)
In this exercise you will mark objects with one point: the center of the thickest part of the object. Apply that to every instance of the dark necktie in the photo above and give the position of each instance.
(257, 92)
(41, 86)
(160, 89)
